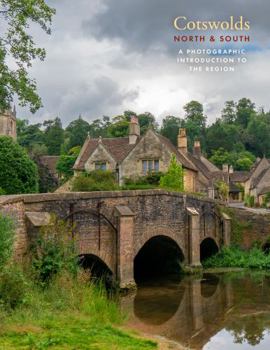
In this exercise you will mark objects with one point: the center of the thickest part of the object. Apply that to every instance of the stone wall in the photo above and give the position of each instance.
(255, 227)
(14, 208)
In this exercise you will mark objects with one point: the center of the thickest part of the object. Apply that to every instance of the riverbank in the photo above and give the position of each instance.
(68, 316)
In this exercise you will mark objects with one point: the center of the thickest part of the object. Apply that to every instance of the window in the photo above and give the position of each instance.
(100, 166)
(150, 166)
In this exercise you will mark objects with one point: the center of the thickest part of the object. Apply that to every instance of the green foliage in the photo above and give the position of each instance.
(174, 178)
(77, 132)
(242, 160)
(97, 180)
(13, 287)
(236, 257)
(64, 166)
(54, 136)
(18, 50)
(249, 201)
(223, 190)
(170, 128)
(18, 173)
(53, 252)
(266, 200)
(6, 239)
(151, 180)
(2, 192)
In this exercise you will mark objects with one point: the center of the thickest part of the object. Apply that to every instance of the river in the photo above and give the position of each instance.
(213, 312)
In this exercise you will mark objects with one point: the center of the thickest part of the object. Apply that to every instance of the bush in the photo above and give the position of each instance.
(236, 257)
(97, 180)
(18, 173)
(249, 201)
(174, 178)
(13, 287)
(54, 252)
(6, 239)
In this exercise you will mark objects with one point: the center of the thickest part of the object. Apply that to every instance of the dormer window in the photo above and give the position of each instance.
(150, 165)
(100, 166)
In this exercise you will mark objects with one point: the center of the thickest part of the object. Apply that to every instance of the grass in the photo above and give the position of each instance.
(255, 258)
(70, 314)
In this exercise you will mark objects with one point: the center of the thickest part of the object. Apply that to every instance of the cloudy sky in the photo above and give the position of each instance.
(107, 56)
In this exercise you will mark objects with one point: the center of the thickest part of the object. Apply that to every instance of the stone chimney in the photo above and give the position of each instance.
(197, 148)
(134, 130)
(225, 168)
(231, 169)
(182, 140)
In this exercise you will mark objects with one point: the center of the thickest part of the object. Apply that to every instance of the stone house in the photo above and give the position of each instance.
(136, 155)
(8, 123)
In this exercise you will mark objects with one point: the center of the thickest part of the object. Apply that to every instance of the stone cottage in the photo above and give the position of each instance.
(136, 155)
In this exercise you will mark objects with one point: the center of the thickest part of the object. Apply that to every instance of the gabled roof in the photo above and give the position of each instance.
(183, 158)
(118, 148)
(204, 165)
(239, 176)
(257, 180)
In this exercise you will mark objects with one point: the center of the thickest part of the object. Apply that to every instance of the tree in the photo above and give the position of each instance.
(195, 123)
(77, 132)
(29, 136)
(258, 132)
(146, 120)
(174, 178)
(229, 112)
(18, 173)
(244, 111)
(65, 163)
(170, 128)
(18, 50)
(54, 136)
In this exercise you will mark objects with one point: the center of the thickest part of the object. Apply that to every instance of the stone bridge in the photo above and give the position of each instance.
(132, 233)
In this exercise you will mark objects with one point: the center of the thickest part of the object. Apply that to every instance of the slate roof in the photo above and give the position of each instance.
(257, 180)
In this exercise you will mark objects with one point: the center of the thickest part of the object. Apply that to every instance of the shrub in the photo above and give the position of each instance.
(249, 201)
(97, 180)
(18, 173)
(2, 192)
(53, 252)
(236, 257)
(13, 287)
(174, 178)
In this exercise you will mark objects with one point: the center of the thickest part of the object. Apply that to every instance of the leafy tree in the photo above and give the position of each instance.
(6, 239)
(77, 132)
(29, 136)
(119, 126)
(174, 178)
(245, 109)
(54, 136)
(146, 120)
(170, 128)
(18, 50)
(223, 190)
(229, 112)
(222, 135)
(195, 123)
(99, 127)
(18, 173)
(65, 163)
(258, 131)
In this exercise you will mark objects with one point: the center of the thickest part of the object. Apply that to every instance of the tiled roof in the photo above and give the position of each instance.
(118, 147)
(239, 176)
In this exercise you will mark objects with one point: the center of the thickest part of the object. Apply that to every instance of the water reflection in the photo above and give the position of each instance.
(225, 311)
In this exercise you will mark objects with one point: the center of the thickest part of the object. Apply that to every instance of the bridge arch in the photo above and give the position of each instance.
(208, 247)
(159, 256)
(96, 266)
